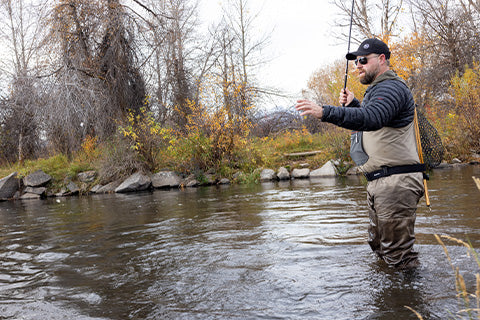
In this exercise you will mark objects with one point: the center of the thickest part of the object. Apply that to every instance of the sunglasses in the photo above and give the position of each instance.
(363, 60)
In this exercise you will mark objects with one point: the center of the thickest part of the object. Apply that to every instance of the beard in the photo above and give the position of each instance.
(369, 76)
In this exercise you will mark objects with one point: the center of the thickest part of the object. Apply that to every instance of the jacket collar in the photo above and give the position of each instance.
(387, 75)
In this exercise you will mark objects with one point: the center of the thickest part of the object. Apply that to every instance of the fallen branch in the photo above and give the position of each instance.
(302, 154)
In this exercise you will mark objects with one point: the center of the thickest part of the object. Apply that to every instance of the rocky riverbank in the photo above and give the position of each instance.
(38, 184)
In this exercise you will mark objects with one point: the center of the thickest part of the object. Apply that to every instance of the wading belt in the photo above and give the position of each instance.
(388, 171)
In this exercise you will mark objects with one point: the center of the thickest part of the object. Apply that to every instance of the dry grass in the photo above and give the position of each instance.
(477, 182)
(468, 299)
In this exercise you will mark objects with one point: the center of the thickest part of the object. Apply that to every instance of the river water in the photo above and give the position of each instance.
(286, 250)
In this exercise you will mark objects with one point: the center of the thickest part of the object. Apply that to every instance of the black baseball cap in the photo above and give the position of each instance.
(368, 46)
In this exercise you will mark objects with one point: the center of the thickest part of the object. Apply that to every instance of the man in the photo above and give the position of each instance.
(383, 145)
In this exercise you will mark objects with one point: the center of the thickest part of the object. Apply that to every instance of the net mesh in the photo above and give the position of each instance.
(432, 146)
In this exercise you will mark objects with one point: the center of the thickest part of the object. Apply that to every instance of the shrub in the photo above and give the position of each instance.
(146, 136)
(215, 139)
(465, 89)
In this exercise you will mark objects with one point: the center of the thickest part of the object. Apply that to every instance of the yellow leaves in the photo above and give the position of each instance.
(406, 56)
(89, 147)
(327, 83)
(465, 89)
(147, 137)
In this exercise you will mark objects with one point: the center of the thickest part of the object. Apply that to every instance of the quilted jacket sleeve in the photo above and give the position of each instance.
(389, 103)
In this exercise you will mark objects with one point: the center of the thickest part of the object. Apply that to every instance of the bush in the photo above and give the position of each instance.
(465, 89)
(119, 160)
(214, 140)
(146, 136)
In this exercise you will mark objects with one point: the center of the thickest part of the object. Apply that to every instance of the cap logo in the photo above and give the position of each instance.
(366, 46)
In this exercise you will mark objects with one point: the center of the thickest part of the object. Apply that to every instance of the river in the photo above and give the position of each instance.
(284, 250)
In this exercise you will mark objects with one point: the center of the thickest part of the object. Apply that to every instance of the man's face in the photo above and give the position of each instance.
(368, 68)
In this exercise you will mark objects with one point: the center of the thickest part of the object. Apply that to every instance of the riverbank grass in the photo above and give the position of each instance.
(118, 159)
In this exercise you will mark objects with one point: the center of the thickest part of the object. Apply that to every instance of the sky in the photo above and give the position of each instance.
(301, 40)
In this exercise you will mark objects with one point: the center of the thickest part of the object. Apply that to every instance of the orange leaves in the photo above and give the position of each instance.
(327, 83)
(407, 55)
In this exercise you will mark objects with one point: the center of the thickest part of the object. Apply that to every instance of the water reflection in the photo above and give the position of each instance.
(287, 250)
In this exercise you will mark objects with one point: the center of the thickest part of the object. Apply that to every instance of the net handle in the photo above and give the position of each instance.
(420, 153)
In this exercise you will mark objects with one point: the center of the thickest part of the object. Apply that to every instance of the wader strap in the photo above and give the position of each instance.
(388, 171)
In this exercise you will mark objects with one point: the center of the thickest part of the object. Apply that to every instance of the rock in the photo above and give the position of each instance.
(238, 175)
(208, 179)
(37, 179)
(166, 179)
(136, 182)
(353, 171)
(327, 170)
(283, 174)
(87, 176)
(192, 183)
(300, 173)
(30, 196)
(8, 186)
(267, 175)
(224, 181)
(96, 188)
(41, 191)
(110, 187)
(304, 165)
(456, 160)
(72, 188)
(62, 193)
(443, 165)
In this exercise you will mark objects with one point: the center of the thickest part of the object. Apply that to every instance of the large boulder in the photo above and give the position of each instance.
(108, 188)
(267, 175)
(327, 170)
(9, 186)
(136, 182)
(41, 191)
(166, 179)
(72, 188)
(37, 179)
(30, 196)
(300, 173)
(283, 174)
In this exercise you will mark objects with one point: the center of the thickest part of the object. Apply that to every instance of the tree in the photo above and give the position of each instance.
(411, 60)
(117, 61)
(241, 56)
(370, 18)
(21, 33)
(452, 37)
(98, 79)
(178, 34)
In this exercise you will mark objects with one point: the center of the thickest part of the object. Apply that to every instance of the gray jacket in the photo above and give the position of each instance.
(387, 103)
(386, 115)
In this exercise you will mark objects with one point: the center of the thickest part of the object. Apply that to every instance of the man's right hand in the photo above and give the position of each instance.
(345, 97)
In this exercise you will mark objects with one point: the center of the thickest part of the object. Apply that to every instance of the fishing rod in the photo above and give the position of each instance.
(348, 50)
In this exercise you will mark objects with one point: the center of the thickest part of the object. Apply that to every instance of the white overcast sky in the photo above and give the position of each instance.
(301, 41)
